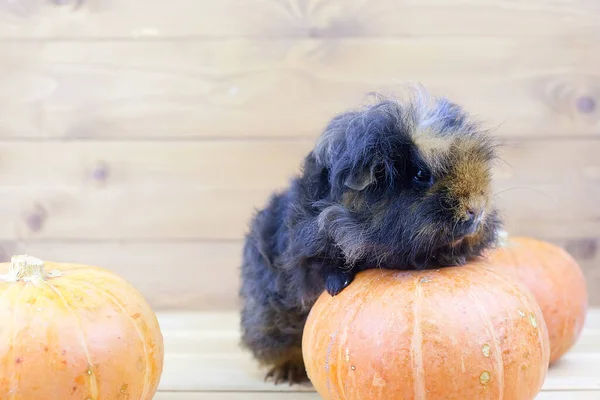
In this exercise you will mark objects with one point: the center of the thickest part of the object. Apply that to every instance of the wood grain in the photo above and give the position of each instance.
(221, 335)
(206, 372)
(205, 275)
(245, 88)
(293, 18)
(170, 275)
(210, 189)
(202, 354)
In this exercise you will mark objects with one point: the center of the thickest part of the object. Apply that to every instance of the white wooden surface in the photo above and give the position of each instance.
(203, 361)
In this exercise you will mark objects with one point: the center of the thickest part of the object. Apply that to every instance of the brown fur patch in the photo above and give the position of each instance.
(464, 164)
(469, 182)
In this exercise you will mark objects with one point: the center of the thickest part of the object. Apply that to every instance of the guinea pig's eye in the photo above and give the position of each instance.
(423, 177)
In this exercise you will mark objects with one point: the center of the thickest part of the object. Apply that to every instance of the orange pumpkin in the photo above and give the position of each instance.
(455, 333)
(70, 331)
(556, 281)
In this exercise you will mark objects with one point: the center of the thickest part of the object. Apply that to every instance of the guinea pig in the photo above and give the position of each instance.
(392, 185)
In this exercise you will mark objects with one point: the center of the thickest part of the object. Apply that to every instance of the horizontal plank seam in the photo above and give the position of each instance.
(166, 240)
(159, 139)
(253, 139)
(130, 240)
(291, 38)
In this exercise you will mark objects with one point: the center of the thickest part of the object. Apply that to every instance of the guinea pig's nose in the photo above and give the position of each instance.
(470, 213)
(474, 215)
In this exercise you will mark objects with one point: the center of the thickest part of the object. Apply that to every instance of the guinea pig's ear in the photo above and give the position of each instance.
(359, 178)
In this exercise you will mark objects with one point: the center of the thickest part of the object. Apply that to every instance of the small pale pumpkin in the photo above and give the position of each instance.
(70, 331)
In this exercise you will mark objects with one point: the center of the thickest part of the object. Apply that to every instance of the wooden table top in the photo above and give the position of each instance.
(204, 362)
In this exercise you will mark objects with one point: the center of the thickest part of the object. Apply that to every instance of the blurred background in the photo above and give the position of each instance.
(141, 135)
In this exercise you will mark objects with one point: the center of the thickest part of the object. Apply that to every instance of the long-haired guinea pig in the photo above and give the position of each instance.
(390, 185)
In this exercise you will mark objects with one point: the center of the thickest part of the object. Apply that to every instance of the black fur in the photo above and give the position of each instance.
(360, 202)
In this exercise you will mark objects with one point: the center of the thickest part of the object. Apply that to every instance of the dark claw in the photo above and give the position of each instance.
(337, 281)
(287, 371)
(270, 374)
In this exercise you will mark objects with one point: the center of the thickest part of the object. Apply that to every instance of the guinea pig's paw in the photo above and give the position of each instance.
(337, 280)
(291, 371)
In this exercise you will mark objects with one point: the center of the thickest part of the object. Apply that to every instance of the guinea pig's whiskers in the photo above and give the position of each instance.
(522, 188)
(441, 203)
(379, 262)
(454, 229)
(453, 235)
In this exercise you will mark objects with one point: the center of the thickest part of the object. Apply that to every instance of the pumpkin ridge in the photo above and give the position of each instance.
(137, 330)
(92, 374)
(417, 346)
(341, 340)
(566, 326)
(534, 302)
(490, 326)
(566, 299)
(351, 318)
(311, 337)
(14, 380)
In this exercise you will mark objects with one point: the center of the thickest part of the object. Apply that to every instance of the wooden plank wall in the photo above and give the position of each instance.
(128, 128)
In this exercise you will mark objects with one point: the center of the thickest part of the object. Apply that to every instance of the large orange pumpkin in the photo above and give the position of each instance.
(457, 333)
(556, 281)
(69, 331)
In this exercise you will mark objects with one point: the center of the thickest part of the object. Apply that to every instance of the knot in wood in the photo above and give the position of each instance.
(586, 104)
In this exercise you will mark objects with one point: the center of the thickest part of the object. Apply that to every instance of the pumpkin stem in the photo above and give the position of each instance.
(27, 268)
